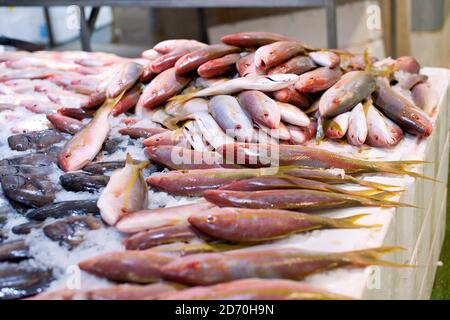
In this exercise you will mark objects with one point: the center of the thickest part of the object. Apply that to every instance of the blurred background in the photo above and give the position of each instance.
(417, 27)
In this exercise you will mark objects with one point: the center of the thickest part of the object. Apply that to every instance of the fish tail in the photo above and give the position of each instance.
(350, 222)
(372, 256)
(138, 164)
(382, 201)
(182, 98)
(370, 193)
(374, 185)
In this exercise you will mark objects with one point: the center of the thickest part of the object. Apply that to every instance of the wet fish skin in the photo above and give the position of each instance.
(408, 80)
(351, 89)
(103, 167)
(64, 209)
(187, 108)
(14, 251)
(135, 266)
(166, 46)
(357, 126)
(246, 65)
(271, 55)
(128, 101)
(77, 113)
(161, 217)
(25, 170)
(261, 108)
(64, 123)
(170, 137)
(253, 289)
(168, 60)
(327, 59)
(194, 182)
(252, 39)
(317, 80)
(138, 132)
(402, 111)
(255, 225)
(80, 181)
(230, 116)
(159, 236)
(301, 135)
(425, 98)
(20, 282)
(193, 60)
(219, 66)
(292, 96)
(408, 64)
(164, 86)
(337, 128)
(296, 65)
(293, 115)
(302, 200)
(126, 192)
(381, 132)
(25, 228)
(32, 191)
(35, 140)
(270, 263)
(124, 79)
(70, 231)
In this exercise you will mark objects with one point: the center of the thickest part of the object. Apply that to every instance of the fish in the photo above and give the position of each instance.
(64, 209)
(292, 96)
(280, 133)
(77, 113)
(140, 132)
(166, 46)
(81, 181)
(246, 65)
(18, 282)
(252, 82)
(86, 144)
(293, 115)
(128, 101)
(115, 292)
(94, 100)
(158, 236)
(268, 263)
(161, 217)
(256, 225)
(425, 98)
(123, 79)
(70, 231)
(126, 192)
(301, 135)
(381, 132)
(408, 80)
(134, 266)
(177, 158)
(231, 117)
(35, 140)
(297, 199)
(252, 39)
(168, 60)
(103, 167)
(64, 123)
(317, 80)
(407, 64)
(296, 65)
(164, 86)
(26, 170)
(271, 55)
(327, 59)
(253, 289)
(219, 66)
(193, 60)
(8, 107)
(25, 228)
(402, 111)
(337, 127)
(194, 182)
(351, 89)
(14, 251)
(357, 126)
(261, 108)
(32, 191)
(309, 157)
(171, 137)
(187, 108)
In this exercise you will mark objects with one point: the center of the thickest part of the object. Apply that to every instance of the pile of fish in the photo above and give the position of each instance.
(226, 125)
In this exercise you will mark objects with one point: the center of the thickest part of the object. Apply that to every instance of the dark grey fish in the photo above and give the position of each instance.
(70, 231)
(14, 251)
(33, 191)
(25, 228)
(81, 181)
(64, 209)
(35, 140)
(8, 107)
(103, 167)
(25, 170)
(41, 158)
(112, 145)
(20, 282)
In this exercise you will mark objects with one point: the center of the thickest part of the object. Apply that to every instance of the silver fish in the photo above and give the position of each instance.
(357, 126)
(382, 132)
(261, 108)
(293, 115)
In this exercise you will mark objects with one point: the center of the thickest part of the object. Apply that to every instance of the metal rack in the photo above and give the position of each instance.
(87, 23)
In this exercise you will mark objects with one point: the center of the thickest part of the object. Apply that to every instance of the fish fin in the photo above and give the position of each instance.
(383, 199)
(370, 257)
(392, 168)
(138, 164)
(374, 185)
(182, 98)
(372, 193)
(350, 222)
(129, 159)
